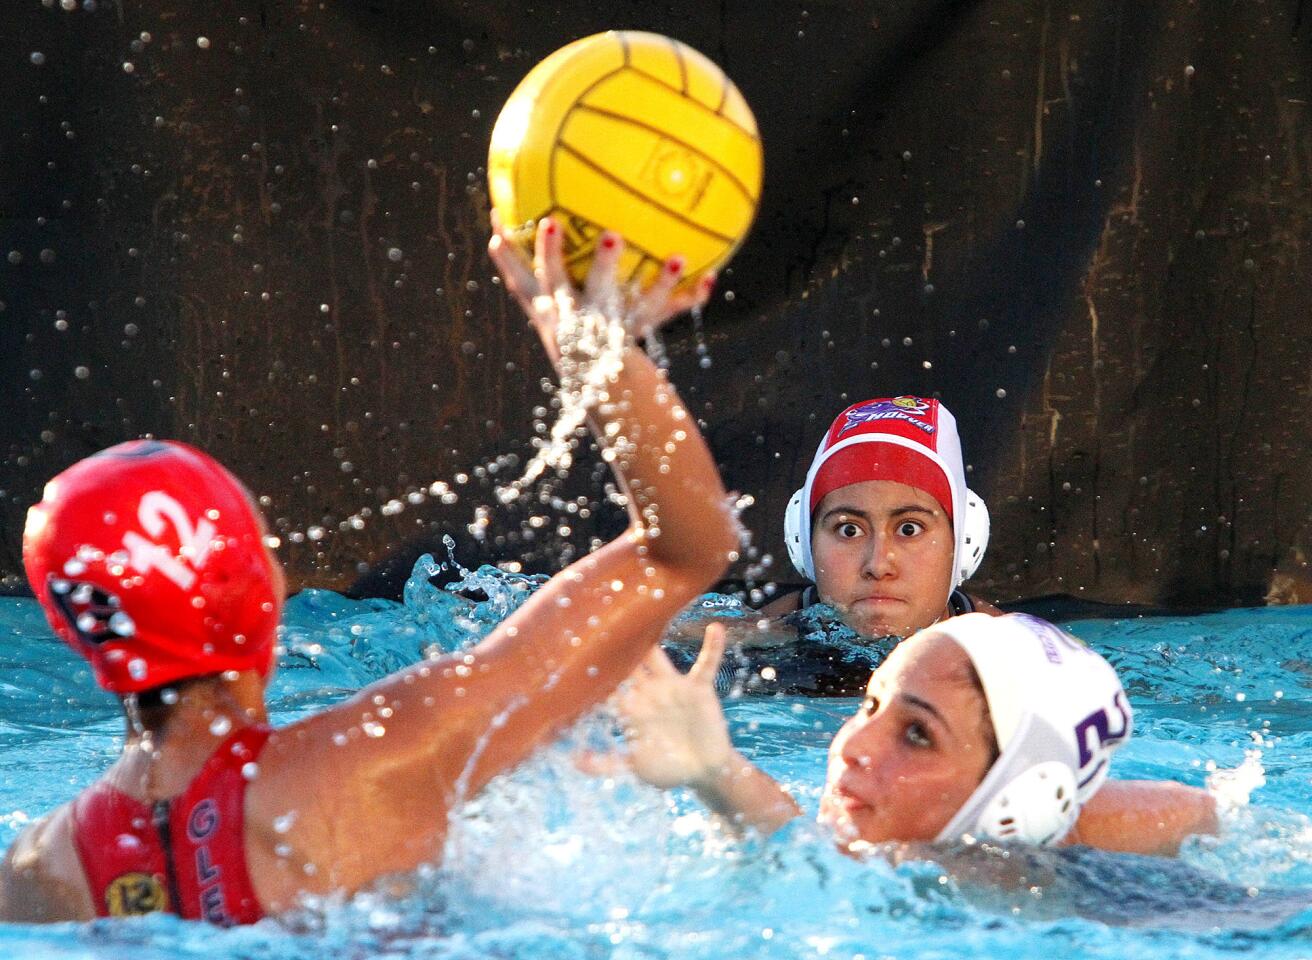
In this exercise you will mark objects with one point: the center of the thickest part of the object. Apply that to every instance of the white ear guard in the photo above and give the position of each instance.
(1037, 807)
(972, 543)
(794, 531)
(974, 539)
(1028, 796)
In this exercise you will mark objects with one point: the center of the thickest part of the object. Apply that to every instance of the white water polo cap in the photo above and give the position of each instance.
(1059, 713)
(911, 440)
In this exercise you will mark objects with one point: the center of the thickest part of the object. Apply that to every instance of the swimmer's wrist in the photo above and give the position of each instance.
(716, 780)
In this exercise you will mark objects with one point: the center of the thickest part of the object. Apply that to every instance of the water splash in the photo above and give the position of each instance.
(1232, 788)
(591, 342)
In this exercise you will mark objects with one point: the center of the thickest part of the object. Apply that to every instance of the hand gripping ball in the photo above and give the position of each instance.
(632, 132)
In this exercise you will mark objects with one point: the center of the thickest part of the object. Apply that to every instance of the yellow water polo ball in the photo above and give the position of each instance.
(632, 132)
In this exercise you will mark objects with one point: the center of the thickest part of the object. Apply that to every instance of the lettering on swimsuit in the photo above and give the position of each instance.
(908, 409)
(201, 826)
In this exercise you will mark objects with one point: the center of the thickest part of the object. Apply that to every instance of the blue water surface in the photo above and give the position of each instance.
(552, 863)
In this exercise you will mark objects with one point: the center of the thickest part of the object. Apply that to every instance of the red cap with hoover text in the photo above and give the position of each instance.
(911, 440)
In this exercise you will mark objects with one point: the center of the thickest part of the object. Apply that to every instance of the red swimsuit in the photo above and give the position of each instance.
(186, 855)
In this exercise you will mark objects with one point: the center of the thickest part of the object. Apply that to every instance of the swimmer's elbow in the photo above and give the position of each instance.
(1206, 820)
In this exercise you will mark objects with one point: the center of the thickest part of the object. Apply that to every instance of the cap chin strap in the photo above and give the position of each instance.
(1029, 796)
(975, 539)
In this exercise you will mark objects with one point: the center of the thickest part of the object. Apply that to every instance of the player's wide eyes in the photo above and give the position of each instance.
(847, 530)
(908, 528)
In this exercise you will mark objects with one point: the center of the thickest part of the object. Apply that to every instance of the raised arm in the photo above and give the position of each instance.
(373, 779)
(678, 737)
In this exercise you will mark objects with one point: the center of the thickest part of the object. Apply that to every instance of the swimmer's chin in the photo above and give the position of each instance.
(849, 840)
(894, 851)
(847, 837)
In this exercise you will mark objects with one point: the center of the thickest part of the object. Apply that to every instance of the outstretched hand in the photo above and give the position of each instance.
(543, 288)
(676, 731)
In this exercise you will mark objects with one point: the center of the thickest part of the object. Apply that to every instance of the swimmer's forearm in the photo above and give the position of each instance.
(745, 796)
(664, 468)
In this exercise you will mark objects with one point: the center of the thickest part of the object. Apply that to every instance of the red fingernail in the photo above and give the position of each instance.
(674, 264)
(550, 227)
(708, 281)
(608, 240)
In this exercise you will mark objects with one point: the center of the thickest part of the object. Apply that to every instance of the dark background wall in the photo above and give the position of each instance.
(1084, 225)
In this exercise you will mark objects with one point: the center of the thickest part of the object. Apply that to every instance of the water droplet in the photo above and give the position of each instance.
(203, 42)
(137, 668)
(394, 254)
(38, 58)
(250, 771)
(220, 726)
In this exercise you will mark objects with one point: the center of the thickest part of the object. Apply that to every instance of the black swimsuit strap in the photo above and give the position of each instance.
(959, 603)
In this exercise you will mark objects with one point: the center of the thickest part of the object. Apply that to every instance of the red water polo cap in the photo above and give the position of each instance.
(901, 439)
(149, 560)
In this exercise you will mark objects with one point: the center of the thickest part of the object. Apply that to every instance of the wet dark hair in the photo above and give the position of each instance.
(986, 718)
(151, 709)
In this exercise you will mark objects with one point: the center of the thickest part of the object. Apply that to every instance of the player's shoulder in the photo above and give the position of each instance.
(41, 878)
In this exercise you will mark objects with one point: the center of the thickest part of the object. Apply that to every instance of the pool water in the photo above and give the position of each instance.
(550, 862)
